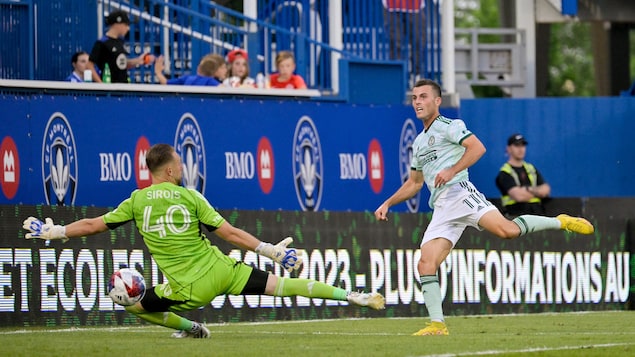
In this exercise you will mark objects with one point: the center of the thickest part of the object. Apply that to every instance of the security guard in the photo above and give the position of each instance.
(522, 187)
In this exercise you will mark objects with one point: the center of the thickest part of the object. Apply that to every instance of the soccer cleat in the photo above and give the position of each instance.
(433, 328)
(198, 331)
(373, 300)
(575, 224)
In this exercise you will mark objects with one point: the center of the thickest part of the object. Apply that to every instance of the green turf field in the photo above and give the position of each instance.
(566, 334)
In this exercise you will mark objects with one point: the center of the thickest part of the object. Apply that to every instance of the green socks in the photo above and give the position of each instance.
(530, 223)
(432, 297)
(167, 319)
(308, 288)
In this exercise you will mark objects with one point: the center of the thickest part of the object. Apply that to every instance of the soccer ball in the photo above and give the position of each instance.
(126, 287)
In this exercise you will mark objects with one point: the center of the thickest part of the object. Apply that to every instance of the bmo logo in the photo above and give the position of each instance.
(358, 166)
(142, 173)
(115, 166)
(10, 175)
(239, 165)
(265, 164)
(245, 166)
(376, 164)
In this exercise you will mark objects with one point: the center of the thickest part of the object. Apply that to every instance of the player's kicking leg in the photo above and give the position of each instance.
(494, 222)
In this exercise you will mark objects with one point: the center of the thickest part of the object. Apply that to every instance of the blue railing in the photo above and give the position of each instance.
(16, 30)
(186, 30)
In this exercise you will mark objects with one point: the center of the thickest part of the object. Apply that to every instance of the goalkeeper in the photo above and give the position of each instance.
(170, 218)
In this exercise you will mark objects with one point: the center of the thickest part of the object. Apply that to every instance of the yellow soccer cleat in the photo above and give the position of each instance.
(433, 328)
(575, 224)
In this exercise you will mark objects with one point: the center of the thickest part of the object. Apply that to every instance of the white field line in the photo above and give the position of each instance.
(530, 350)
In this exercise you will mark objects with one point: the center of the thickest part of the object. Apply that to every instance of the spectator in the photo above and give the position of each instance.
(79, 61)
(110, 50)
(522, 187)
(238, 75)
(285, 78)
(211, 71)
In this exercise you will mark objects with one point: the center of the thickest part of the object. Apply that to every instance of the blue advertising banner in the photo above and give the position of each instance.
(248, 153)
(281, 153)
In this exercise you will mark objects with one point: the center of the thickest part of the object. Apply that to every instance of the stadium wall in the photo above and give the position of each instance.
(252, 152)
(61, 284)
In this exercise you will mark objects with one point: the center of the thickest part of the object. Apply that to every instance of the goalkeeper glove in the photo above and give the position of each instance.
(44, 230)
(287, 258)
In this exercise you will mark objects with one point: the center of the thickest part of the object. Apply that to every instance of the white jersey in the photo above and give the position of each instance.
(438, 148)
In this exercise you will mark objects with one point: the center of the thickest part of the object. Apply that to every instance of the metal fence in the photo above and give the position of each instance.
(319, 32)
(16, 30)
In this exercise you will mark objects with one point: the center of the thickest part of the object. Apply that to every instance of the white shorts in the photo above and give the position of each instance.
(457, 207)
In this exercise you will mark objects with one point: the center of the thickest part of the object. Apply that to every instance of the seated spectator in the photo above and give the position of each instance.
(79, 61)
(211, 71)
(238, 70)
(285, 78)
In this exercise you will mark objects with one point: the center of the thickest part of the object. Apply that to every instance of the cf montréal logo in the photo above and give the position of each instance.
(307, 164)
(188, 143)
(408, 136)
(59, 162)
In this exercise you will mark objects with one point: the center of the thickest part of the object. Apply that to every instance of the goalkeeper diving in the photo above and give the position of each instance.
(170, 218)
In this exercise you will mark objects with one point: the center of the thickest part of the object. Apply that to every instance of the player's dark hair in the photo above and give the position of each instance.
(159, 155)
(428, 82)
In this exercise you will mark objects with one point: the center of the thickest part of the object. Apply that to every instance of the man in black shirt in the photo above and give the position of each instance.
(110, 50)
(522, 187)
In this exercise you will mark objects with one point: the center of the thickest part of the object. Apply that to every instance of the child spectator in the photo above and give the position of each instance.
(211, 71)
(285, 78)
(238, 70)
(79, 61)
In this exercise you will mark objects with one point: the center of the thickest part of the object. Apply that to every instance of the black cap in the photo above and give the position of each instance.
(516, 139)
(117, 17)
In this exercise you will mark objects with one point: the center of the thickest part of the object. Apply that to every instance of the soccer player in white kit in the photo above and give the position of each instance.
(441, 155)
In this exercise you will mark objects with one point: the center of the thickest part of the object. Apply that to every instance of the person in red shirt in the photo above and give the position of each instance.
(285, 78)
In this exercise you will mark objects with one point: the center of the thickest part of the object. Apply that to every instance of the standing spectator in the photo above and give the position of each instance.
(171, 219)
(404, 20)
(209, 72)
(441, 156)
(238, 75)
(110, 50)
(522, 187)
(285, 78)
(79, 61)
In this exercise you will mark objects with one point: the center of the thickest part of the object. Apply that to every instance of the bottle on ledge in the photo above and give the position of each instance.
(107, 77)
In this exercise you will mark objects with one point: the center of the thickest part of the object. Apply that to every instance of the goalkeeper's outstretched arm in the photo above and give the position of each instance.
(50, 231)
(288, 258)
(86, 227)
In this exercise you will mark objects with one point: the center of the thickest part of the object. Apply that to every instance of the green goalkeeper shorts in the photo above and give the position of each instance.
(228, 276)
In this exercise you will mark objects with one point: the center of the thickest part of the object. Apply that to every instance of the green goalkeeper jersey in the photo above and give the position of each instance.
(438, 148)
(170, 218)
